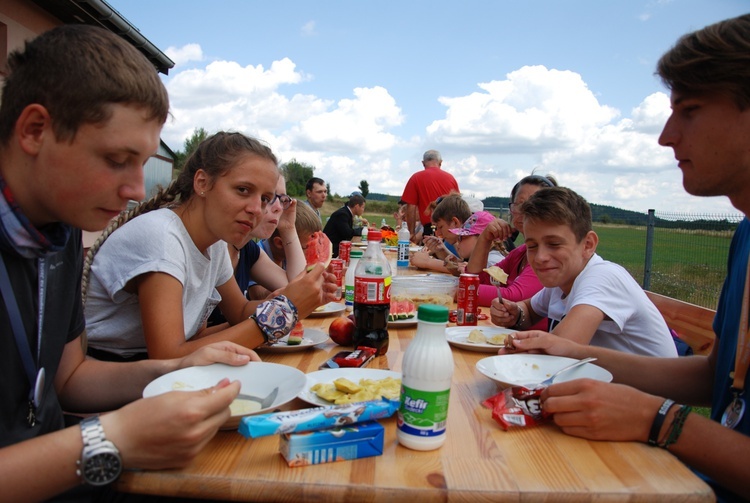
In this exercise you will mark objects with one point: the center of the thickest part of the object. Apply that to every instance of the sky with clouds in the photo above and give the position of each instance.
(360, 89)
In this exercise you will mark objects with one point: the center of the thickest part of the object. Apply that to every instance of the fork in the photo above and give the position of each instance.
(264, 402)
(573, 365)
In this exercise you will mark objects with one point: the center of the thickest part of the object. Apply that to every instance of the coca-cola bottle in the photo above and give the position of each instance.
(372, 296)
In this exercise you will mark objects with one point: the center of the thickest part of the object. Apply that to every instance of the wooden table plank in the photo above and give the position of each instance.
(479, 461)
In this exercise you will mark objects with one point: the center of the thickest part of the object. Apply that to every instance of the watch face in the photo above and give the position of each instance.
(102, 468)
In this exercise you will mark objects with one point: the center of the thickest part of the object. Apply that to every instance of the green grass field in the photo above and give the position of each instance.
(689, 266)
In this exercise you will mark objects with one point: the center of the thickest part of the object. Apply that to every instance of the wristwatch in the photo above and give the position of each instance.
(100, 462)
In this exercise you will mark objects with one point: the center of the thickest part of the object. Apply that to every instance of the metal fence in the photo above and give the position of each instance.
(691, 252)
(680, 255)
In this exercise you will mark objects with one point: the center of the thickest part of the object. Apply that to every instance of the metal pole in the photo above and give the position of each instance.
(649, 250)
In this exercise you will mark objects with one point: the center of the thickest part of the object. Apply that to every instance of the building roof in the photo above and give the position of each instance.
(100, 13)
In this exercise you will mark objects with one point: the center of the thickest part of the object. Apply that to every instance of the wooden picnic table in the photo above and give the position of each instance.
(478, 462)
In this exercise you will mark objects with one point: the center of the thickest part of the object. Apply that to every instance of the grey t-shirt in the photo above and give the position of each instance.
(156, 241)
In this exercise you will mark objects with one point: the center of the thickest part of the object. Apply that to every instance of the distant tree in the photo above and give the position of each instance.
(329, 197)
(297, 174)
(199, 134)
(364, 188)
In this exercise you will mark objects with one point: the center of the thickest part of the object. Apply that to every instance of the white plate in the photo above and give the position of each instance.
(520, 369)
(330, 375)
(408, 322)
(458, 337)
(257, 378)
(328, 309)
(311, 339)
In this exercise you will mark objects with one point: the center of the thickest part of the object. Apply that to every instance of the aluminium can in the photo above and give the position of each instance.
(467, 299)
(345, 250)
(336, 267)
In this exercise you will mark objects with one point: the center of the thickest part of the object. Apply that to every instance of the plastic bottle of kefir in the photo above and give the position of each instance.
(426, 382)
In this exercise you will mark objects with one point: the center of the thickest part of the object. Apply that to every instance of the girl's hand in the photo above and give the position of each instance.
(219, 352)
(497, 230)
(288, 219)
(311, 289)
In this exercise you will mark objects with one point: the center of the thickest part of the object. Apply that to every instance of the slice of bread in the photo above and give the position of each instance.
(497, 275)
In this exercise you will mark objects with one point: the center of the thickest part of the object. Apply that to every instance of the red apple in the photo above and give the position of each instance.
(341, 331)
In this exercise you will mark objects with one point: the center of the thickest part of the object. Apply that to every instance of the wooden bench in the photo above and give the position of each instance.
(694, 324)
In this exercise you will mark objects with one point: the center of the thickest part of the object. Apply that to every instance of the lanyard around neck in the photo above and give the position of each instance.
(742, 359)
(19, 332)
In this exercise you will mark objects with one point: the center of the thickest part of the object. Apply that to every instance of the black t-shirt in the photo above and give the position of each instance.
(63, 322)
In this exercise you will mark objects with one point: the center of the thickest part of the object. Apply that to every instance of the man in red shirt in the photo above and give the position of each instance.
(423, 188)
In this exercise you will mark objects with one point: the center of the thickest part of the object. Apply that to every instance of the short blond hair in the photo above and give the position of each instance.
(307, 221)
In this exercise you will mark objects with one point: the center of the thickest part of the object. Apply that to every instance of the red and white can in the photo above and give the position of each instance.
(467, 299)
(345, 249)
(336, 267)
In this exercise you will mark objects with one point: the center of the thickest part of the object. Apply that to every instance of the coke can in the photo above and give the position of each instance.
(345, 249)
(336, 267)
(467, 299)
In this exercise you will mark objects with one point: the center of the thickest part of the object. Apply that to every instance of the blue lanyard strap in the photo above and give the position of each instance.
(18, 331)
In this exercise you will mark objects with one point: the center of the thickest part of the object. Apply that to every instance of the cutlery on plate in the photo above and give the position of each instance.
(264, 402)
(573, 365)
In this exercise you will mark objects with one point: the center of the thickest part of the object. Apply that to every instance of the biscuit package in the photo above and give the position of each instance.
(517, 406)
(317, 418)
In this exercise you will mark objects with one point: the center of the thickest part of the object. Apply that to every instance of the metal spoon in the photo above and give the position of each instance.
(264, 402)
(573, 365)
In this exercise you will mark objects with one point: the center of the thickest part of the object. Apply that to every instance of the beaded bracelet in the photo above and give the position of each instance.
(675, 429)
(653, 435)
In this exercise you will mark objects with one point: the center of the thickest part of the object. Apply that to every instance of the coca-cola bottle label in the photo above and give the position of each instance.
(372, 290)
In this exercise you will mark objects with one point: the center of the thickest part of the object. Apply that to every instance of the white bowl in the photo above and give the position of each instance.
(257, 378)
(522, 369)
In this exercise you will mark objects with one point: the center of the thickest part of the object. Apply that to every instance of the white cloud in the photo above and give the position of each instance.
(652, 113)
(355, 126)
(184, 54)
(534, 110)
(536, 119)
(308, 29)
(225, 95)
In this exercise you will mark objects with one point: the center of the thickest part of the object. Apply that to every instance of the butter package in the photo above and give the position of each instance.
(360, 440)
(318, 418)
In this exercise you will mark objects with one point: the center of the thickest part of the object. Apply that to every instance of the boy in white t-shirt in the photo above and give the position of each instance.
(585, 298)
